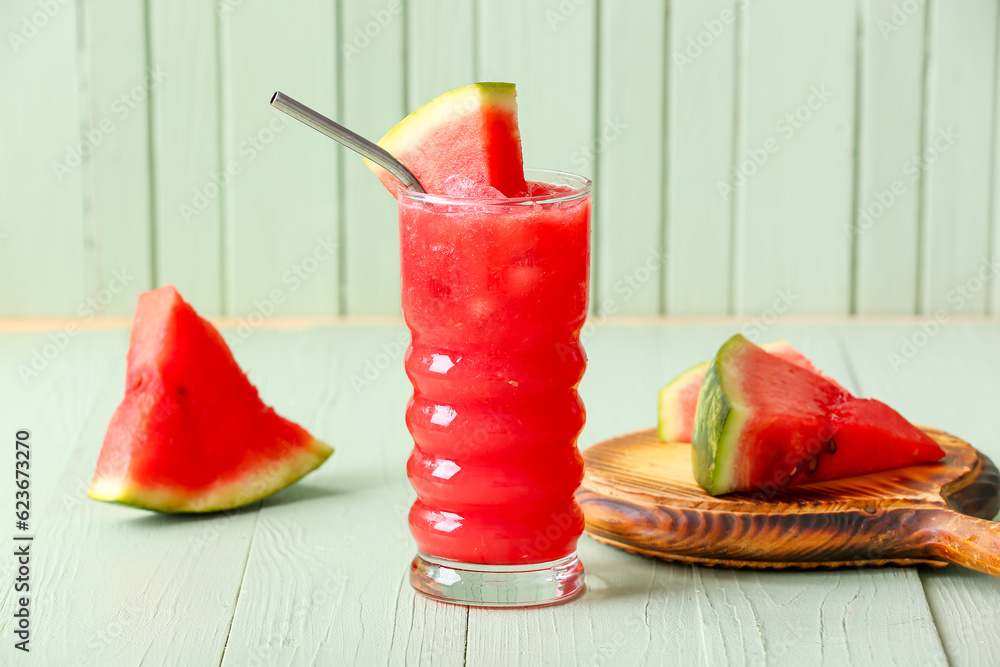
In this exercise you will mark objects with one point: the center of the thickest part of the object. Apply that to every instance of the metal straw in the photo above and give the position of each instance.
(352, 140)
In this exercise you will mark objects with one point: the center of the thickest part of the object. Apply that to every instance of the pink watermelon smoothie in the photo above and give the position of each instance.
(495, 294)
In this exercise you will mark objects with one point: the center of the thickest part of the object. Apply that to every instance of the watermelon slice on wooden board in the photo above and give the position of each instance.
(679, 399)
(763, 424)
(191, 434)
(470, 132)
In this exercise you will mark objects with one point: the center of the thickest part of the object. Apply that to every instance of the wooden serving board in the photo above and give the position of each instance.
(639, 494)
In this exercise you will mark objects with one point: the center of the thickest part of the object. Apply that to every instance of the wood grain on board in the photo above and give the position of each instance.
(639, 494)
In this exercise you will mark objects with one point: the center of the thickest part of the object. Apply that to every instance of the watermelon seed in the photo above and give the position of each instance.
(813, 463)
(797, 469)
(831, 446)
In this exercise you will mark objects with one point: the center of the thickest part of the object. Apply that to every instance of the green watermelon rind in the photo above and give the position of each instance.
(670, 412)
(247, 488)
(719, 420)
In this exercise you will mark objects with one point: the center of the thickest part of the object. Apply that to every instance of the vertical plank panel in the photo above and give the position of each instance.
(797, 161)
(41, 247)
(115, 108)
(630, 136)
(280, 210)
(958, 155)
(700, 127)
(441, 56)
(551, 60)
(994, 288)
(185, 129)
(888, 198)
(373, 65)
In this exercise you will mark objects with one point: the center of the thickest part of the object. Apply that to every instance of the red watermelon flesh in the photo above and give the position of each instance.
(679, 399)
(868, 425)
(764, 424)
(469, 133)
(192, 434)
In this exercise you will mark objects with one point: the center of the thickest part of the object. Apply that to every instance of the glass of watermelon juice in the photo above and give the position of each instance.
(494, 292)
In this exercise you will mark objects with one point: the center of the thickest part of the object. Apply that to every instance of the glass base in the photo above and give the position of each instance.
(477, 585)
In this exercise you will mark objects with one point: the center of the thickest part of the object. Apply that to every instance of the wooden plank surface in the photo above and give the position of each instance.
(941, 379)
(117, 82)
(186, 126)
(282, 248)
(326, 609)
(318, 573)
(794, 166)
(675, 613)
(887, 212)
(149, 596)
(957, 157)
(702, 119)
(41, 219)
(67, 387)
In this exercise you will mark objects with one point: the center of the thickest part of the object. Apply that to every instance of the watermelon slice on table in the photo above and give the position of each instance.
(678, 400)
(763, 424)
(470, 133)
(191, 434)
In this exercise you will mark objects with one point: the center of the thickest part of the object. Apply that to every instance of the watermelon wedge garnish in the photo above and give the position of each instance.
(191, 434)
(678, 400)
(763, 424)
(469, 134)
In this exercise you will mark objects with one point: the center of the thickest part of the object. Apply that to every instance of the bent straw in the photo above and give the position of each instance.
(342, 135)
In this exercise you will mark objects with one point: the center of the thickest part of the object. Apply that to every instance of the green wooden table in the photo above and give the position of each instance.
(317, 573)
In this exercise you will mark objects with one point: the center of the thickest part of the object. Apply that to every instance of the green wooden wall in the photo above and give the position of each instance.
(808, 156)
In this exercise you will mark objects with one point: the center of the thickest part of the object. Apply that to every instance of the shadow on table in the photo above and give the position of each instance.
(303, 492)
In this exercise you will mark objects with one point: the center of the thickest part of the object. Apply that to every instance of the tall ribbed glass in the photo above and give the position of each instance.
(495, 294)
